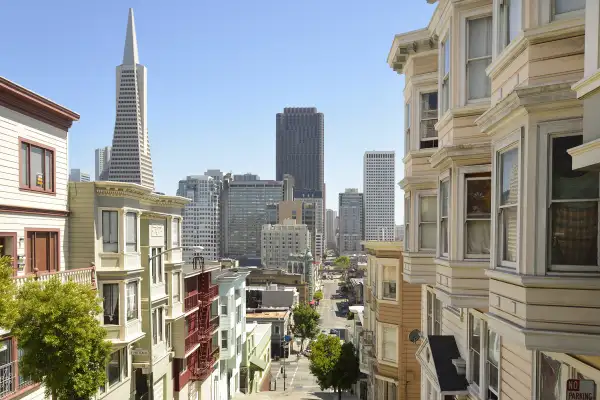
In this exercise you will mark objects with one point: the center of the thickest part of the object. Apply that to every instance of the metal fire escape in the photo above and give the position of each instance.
(207, 355)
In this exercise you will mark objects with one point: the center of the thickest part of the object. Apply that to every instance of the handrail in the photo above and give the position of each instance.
(191, 340)
(85, 275)
(191, 302)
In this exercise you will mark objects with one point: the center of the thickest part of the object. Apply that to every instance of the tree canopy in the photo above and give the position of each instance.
(8, 294)
(62, 340)
(347, 370)
(342, 261)
(318, 295)
(306, 322)
(334, 365)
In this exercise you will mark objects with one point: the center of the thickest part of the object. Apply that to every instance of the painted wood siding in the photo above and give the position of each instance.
(515, 374)
(410, 369)
(12, 126)
(82, 226)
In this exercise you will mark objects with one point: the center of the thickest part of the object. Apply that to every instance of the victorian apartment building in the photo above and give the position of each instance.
(501, 196)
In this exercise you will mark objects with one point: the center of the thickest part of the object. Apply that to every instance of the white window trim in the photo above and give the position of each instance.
(548, 130)
(430, 323)
(393, 264)
(408, 223)
(160, 275)
(380, 354)
(499, 38)
(124, 360)
(421, 91)
(160, 319)
(441, 62)
(547, 14)
(419, 194)
(139, 298)
(462, 199)
(585, 369)
(179, 222)
(443, 177)
(407, 126)
(122, 304)
(513, 140)
(464, 16)
(481, 390)
(120, 232)
(176, 276)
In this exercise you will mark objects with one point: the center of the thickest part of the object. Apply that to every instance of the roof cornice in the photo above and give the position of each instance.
(409, 44)
(138, 192)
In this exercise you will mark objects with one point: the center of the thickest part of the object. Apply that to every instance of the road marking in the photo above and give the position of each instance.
(294, 377)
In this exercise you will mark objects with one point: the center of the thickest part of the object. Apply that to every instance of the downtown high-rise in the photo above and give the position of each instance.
(130, 159)
(102, 158)
(351, 221)
(379, 193)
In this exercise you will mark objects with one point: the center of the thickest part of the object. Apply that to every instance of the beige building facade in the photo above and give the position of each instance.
(501, 196)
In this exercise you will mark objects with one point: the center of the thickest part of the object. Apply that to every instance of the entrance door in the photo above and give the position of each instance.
(42, 251)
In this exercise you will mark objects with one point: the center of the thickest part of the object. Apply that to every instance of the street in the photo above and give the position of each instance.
(300, 384)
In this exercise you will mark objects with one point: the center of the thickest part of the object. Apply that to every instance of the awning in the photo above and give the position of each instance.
(258, 362)
(439, 356)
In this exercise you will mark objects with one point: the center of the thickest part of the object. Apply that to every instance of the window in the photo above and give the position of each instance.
(168, 335)
(110, 294)
(407, 223)
(434, 314)
(238, 313)
(110, 231)
(224, 339)
(238, 345)
(445, 75)
(478, 206)
(427, 222)
(564, 7)
(493, 360)
(389, 282)
(175, 231)
(429, 117)
(177, 286)
(444, 206)
(113, 369)
(37, 168)
(277, 330)
(508, 206)
(479, 56)
(510, 19)
(475, 349)
(156, 264)
(223, 305)
(552, 377)
(132, 301)
(573, 209)
(406, 128)
(42, 249)
(131, 232)
(389, 343)
(390, 390)
(160, 319)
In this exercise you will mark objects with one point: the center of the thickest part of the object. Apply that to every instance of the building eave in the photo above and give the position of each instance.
(137, 192)
(407, 44)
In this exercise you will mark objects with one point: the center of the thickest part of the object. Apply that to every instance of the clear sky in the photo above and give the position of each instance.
(218, 72)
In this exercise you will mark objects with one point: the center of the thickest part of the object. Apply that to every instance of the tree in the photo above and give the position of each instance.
(347, 370)
(8, 294)
(318, 295)
(62, 340)
(324, 354)
(342, 261)
(306, 323)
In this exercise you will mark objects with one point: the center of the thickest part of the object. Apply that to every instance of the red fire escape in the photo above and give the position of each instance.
(207, 355)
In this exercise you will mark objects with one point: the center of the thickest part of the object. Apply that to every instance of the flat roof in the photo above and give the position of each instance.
(267, 315)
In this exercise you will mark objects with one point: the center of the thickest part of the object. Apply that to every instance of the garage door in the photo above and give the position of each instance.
(159, 388)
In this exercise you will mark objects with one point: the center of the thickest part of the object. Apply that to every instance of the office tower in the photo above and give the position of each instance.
(246, 177)
(246, 207)
(216, 174)
(102, 159)
(130, 156)
(315, 198)
(77, 175)
(201, 222)
(330, 228)
(280, 240)
(379, 186)
(352, 228)
(399, 233)
(300, 147)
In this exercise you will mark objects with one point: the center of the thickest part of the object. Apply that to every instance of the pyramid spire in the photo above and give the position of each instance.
(130, 54)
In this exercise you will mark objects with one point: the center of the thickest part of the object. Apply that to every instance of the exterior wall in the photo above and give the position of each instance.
(516, 380)
(379, 194)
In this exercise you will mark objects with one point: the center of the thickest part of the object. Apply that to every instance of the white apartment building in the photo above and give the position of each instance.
(201, 223)
(501, 197)
(130, 159)
(280, 240)
(379, 195)
(331, 228)
(102, 158)
(77, 175)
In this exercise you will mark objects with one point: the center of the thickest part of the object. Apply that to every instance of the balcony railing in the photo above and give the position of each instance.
(191, 302)
(191, 340)
(214, 322)
(84, 276)
(209, 295)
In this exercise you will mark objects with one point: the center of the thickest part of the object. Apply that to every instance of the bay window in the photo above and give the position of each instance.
(510, 21)
(479, 56)
(573, 210)
(389, 343)
(157, 325)
(484, 352)
(565, 8)
(508, 206)
(131, 232)
(444, 207)
(389, 282)
(132, 300)
(407, 223)
(478, 204)
(492, 364)
(176, 286)
(114, 368)
(434, 314)
(445, 76)
(156, 265)
(36, 167)
(427, 222)
(553, 372)
(406, 128)
(175, 231)
(428, 119)
(110, 231)
(475, 349)
(110, 295)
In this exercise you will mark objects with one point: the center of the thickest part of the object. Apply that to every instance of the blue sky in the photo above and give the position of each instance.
(218, 72)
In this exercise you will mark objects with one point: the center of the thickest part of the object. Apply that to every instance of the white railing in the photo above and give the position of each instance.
(84, 276)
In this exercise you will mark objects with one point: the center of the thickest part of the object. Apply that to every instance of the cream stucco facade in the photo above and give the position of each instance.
(501, 195)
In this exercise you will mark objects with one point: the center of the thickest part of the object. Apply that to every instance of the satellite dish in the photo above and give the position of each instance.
(414, 336)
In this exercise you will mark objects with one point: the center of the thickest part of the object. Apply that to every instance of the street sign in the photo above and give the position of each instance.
(139, 352)
(287, 338)
(581, 389)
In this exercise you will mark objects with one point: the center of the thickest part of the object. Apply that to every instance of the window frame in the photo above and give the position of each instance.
(137, 300)
(574, 367)
(501, 23)
(463, 173)
(407, 221)
(175, 232)
(118, 285)
(176, 281)
(136, 222)
(109, 243)
(434, 309)
(396, 276)
(157, 265)
(512, 141)
(444, 77)
(421, 194)
(566, 15)
(381, 352)
(421, 93)
(123, 370)
(445, 178)
(407, 123)
(27, 186)
(477, 13)
(482, 388)
(224, 340)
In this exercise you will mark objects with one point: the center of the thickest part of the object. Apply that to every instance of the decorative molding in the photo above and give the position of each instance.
(409, 44)
(138, 192)
(34, 211)
(461, 155)
(419, 182)
(587, 86)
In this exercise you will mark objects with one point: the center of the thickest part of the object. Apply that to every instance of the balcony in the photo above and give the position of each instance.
(214, 323)
(191, 302)
(192, 340)
(208, 296)
(84, 276)
(10, 383)
(206, 367)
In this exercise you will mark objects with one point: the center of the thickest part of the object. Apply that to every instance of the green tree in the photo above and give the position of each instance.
(347, 369)
(318, 295)
(63, 343)
(342, 261)
(306, 322)
(8, 294)
(324, 355)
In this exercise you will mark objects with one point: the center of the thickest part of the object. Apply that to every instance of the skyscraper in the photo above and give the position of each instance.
(130, 159)
(300, 147)
(331, 228)
(77, 175)
(102, 160)
(352, 228)
(380, 200)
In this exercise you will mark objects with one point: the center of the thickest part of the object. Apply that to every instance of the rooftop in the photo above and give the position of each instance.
(189, 270)
(267, 315)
